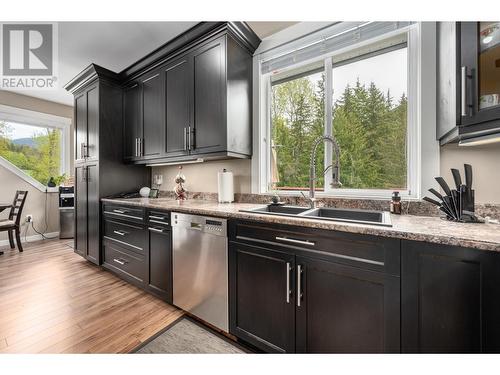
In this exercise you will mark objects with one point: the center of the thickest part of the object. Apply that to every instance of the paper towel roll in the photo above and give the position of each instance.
(226, 186)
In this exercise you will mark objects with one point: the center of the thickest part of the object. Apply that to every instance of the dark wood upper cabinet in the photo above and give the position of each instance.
(468, 82)
(92, 147)
(80, 126)
(480, 59)
(345, 309)
(87, 125)
(261, 312)
(196, 102)
(209, 127)
(450, 299)
(153, 127)
(178, 105)
(132, 120)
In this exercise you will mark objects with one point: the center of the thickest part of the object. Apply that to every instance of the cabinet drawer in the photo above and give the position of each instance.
(125, 262)
(133, 236)
(158, 217)
(364, 251)
(135, 214)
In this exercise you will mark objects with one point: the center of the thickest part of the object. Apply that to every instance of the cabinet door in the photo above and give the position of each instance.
(209, 64)
(92, 149)
(448, 89)
(152, 111)
(131, 120)
(343, 309)
(480, 55)
(80, 126)
(262, 309)
(178, 104)
(450, 299)
(93, 214)
(160, 263)
(81, 210)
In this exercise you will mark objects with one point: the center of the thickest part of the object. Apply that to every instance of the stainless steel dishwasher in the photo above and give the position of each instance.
(200, 279)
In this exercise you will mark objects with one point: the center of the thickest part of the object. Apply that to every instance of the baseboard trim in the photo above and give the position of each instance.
(36, 237)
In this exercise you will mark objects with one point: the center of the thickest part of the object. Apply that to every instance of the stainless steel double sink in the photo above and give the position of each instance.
(382, 218)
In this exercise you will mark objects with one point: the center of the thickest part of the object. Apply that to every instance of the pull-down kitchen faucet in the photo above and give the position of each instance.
(335, 167)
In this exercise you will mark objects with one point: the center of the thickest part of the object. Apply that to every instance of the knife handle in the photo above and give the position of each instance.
(443, 184)
(456, 178)
(468, 176)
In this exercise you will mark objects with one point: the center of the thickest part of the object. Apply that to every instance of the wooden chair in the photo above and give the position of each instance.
(12, 224)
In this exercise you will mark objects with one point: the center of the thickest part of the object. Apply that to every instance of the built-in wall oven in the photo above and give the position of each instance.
(66, 211)
(200, 267)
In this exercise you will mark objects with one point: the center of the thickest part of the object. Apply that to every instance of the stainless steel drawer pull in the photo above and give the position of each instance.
(299, 284)
(185, 139)
(157, 217)
(119, 261)
(120, 211)
(120, 232)
(300, 242)
(155, 230)
(288, 291)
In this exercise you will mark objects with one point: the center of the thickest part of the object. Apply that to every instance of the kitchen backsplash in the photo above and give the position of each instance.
(420, 208)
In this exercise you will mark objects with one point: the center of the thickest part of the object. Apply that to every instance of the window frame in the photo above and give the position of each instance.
(42, 120)
(261, 166)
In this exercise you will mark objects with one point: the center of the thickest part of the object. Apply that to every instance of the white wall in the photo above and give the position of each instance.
(35, 204)
(485, 161)
(10, 182)
(203, 177)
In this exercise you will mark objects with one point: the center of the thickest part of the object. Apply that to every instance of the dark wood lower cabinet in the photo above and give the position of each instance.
(260, 311)
(450, 299)
(81, 210)
(137, 246)
(87, 239)
(93, 210)
(160, 263)
(283, 301)
(345, 309)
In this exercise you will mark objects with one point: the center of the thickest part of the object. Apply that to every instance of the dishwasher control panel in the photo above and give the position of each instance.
(209, 225)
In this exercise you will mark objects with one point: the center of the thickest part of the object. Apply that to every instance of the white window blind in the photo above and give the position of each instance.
(327, 41)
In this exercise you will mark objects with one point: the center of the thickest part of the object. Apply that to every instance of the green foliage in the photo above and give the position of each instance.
(370, 130)
(41, 161)
(298, 116)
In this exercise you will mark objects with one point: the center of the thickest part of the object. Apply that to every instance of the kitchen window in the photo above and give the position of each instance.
(364, 96)
(35, 147)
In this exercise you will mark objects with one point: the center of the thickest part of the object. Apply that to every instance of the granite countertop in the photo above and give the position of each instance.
(417, 228)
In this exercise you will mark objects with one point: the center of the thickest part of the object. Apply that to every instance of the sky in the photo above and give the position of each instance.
(17, 131)
(387, 71)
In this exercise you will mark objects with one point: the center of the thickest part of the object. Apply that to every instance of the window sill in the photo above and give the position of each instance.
(363, 194)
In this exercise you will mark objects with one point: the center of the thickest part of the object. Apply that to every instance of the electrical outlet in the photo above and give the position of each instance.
(29, 218)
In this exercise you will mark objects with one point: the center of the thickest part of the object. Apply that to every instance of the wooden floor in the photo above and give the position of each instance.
(53, 301)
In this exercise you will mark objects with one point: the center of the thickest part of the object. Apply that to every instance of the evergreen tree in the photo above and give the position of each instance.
(369, 127)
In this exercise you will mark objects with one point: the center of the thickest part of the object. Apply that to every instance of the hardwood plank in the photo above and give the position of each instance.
(53, 301)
